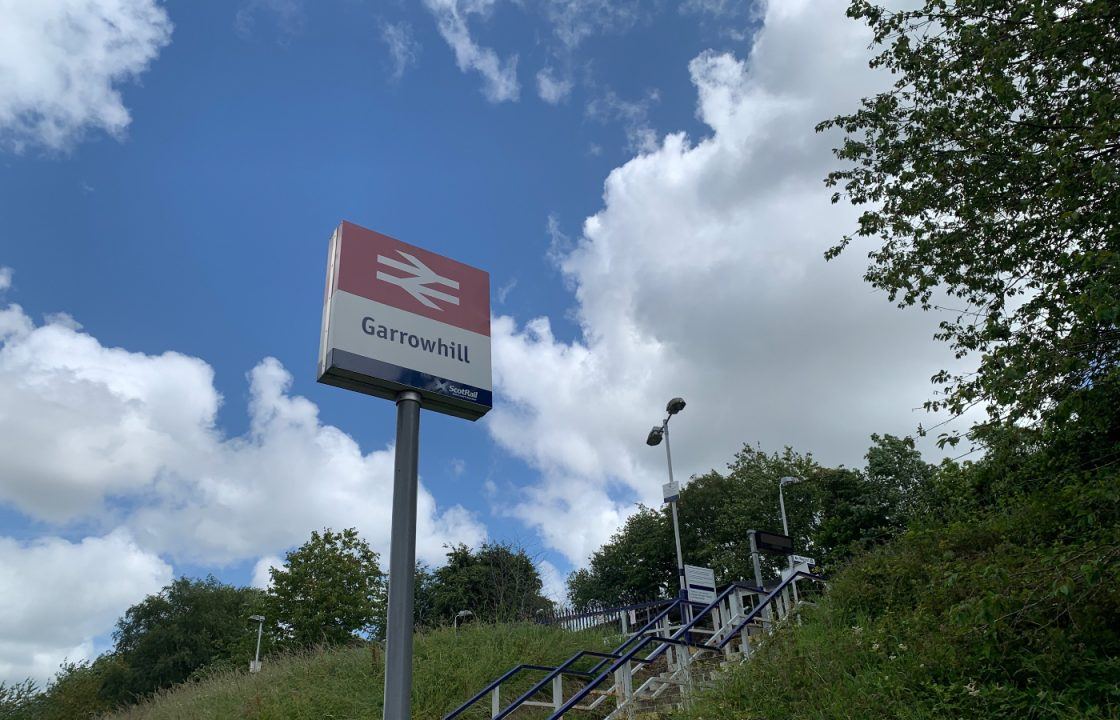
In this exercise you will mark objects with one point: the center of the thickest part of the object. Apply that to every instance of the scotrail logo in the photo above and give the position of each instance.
(420, 278)
(449, 388)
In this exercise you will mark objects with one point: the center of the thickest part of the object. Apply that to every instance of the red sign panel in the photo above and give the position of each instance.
(388, 271)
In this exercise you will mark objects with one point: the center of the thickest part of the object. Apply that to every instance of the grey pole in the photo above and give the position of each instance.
(785, 528)
(758, 572)
(402, 562)
(676, 525)
(754, 557)
(260, 631)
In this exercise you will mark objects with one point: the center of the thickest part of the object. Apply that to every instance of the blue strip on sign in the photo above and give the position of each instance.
(701, 587)
(456, 393)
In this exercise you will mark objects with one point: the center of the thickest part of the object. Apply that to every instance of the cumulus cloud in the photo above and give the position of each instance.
(403, 47)
(5, 278)
(554, 584)
(63, 62)
(552, 89)
(499, 76)
(702, 276)
(81, 423)
(262, 571)
(59, 596)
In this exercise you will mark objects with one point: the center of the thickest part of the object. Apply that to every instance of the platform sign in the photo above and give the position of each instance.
(773, 542)
(670, 491)
(701, 584)
(397, 317)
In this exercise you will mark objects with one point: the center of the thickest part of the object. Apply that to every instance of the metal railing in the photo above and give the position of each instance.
(657, 631)
(596, 617)
(679, 638)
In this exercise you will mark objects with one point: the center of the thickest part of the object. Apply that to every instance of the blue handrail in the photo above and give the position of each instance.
(676, 639)
(618, 654)
(540, 685)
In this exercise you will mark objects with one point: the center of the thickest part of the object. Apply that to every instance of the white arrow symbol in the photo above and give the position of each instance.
(420, 277)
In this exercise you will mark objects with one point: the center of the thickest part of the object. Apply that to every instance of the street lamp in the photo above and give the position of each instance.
(782, 482)
(462, 615)
(255, 666)
(658, 433)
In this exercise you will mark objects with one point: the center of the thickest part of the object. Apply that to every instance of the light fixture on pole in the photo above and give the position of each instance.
(461, 615)
(672, 490)
(782, 482)
(255, 666)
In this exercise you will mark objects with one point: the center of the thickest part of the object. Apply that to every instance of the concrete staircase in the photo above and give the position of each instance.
(656, 670)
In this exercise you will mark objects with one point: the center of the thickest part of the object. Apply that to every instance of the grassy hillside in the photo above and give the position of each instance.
(347, 682)
(1009, 613)
(1014, 615)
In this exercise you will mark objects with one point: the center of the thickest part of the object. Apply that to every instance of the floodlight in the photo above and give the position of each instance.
(789, 480)
(655, 436)
(257, 618)
(675, 406)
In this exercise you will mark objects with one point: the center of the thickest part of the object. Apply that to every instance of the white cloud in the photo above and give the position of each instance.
(499, 77)
(633, 114)
(58, 596)
(703, 277)
(262, 577)
(81, 423)
(553, 581)
(286, 16)
(573, 21)
(552, 90)
(503, 292)
(403, 48)
(62, 64)
(5, 278)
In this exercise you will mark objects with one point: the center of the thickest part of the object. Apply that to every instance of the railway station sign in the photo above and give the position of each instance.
(397, 317)
(701, 584)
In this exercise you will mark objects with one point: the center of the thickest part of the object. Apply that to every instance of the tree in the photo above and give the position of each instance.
(897, 473)
(855, 515)
(990, 171)
(831, 513)
(638, 563)
(495, 582)
(188, 625)
(329, 589)
(716, 511)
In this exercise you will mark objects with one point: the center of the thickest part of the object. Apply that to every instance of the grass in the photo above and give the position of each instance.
(1012, 616)
(346, 683)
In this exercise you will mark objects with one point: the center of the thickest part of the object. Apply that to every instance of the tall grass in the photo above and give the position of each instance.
(345, 683)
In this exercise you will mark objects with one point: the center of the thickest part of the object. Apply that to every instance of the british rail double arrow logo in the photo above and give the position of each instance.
(419, 280)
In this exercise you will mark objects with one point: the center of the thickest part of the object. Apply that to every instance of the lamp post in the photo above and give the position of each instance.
(782, 482)
(461, 615)
(255, 666)
(655, 436)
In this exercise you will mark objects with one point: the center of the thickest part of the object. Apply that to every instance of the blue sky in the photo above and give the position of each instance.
(654, 227)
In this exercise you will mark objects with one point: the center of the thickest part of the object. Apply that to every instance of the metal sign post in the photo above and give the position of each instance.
(405, 324)
(402, 560)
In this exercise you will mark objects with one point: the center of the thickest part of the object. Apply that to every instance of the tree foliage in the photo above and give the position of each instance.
(188, 625)
(495, 582)
(638, 563)
(329, 590)
(832, 513)
(990, 171)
